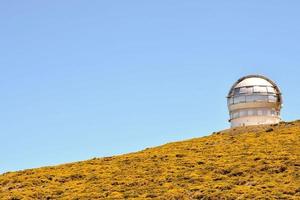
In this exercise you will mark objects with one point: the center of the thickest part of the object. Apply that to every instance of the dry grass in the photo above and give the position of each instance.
(261, 162)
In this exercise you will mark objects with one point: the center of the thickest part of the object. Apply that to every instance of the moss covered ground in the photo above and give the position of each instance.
(257, 162)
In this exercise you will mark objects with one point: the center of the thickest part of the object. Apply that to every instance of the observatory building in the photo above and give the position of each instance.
(254, 100)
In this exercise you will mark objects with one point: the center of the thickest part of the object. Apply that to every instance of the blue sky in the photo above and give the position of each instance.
(83, 79)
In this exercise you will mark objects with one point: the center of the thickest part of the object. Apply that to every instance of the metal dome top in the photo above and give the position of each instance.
(253, 80)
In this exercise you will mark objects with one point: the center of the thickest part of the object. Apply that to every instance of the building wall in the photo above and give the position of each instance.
(254, 120)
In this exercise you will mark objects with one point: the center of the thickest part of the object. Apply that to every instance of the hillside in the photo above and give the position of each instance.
(259, 162)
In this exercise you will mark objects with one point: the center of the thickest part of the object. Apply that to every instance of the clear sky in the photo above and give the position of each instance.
(83, 79)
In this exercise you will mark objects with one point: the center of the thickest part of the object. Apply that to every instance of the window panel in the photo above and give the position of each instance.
(236, 100)
(265, 98)
(243, 90)
(262, 98)
(236, 91)
(263, 89)
(250, 90)
(250, 112)
(241, 99)
(272, 98)
(254, 111)
(235, 115)
(253, 98)
(249, 98)
(265, 111)
(260, 89)
(243, 113)
(255, 89)
(271, 90)
(256, 98)
(230, 101)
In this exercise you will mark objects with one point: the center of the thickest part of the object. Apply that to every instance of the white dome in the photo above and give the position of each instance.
(253, 81)
(254, 100)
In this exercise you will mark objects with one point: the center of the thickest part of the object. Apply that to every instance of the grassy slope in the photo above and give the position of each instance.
(248, 162)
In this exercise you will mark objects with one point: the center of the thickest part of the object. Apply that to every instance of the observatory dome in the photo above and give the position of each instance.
(254, 100)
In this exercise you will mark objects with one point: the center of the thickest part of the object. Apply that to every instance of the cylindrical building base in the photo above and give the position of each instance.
(254, 120)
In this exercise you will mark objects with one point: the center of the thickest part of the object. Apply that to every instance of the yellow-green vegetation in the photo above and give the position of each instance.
(257, 162)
